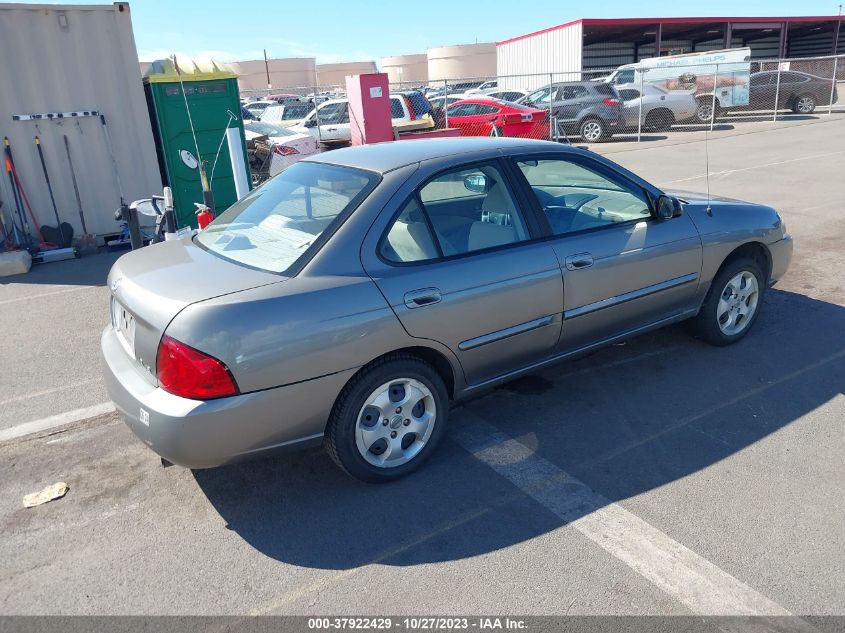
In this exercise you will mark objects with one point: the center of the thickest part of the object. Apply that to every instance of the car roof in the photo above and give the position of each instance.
(394, 95)
(556, 84)
(385, 157)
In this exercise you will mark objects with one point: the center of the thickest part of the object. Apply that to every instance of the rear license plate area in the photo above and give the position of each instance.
(124, 324)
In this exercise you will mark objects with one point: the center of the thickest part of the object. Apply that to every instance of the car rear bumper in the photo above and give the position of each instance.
(781, 252)
(204, 434)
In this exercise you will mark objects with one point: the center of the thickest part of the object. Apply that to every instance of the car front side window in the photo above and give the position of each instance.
(486, 109)
(575, 197)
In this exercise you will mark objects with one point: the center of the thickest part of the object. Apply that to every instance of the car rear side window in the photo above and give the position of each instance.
(272, 227)
(575, 197)
(462, 109)
(574, 92)
(409, 238)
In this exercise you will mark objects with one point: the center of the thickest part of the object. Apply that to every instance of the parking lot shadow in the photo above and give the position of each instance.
(631, 135)
(624, 421)
(90, 270)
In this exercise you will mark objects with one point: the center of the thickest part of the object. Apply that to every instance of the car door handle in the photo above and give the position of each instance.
(422, 297)
(579, 261)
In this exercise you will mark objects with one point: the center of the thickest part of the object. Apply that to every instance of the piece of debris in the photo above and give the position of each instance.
(55, 491)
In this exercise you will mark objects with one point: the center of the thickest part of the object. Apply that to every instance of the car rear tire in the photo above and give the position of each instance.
(732, 304)
(592, 130)
(660, 120)
(804, 104)
(388, 419)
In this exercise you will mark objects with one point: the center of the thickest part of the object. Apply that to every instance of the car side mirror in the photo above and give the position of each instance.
(668, 207)
(311, 123)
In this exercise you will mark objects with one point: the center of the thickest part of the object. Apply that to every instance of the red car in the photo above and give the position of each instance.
(485, 116)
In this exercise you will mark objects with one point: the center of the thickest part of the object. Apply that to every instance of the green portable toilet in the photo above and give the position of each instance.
(211, 92)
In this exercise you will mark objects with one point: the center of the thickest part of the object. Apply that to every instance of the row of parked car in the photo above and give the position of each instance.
(592, 110)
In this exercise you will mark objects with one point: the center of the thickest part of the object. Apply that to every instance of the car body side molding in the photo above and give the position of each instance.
(498, 335)
(552, 360)
(628, 296)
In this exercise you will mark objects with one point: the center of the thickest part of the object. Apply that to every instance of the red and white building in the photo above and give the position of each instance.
(590, 44)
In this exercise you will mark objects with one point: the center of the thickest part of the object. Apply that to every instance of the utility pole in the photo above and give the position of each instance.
(267, 70)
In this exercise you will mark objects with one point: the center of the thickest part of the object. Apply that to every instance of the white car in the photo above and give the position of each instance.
(505, 94)
(660, 108)
(329, 121)
(287, 146)
(286, 114)
(257, 107)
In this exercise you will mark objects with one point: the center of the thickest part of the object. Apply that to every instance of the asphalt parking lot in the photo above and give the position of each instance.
(660, 476)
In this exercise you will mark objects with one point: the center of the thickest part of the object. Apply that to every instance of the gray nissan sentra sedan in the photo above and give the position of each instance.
(349, 299)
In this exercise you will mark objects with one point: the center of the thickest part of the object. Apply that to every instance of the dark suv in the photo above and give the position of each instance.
(589, 109)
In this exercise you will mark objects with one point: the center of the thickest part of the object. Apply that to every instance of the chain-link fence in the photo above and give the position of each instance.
(632, 102)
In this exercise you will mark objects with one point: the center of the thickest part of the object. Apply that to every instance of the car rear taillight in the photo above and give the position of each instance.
(610, 101)
(285, 150)
(186, 372)
(410, 107)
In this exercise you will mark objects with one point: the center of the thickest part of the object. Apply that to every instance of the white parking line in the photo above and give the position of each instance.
(727, 172)
(44, 392)
(697, 583)
(47, 294)
(55, 421)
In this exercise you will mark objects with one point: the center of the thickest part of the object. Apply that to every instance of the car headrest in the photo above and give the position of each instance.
(487, 235)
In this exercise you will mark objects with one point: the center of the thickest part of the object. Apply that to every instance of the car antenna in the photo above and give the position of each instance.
(708, 210)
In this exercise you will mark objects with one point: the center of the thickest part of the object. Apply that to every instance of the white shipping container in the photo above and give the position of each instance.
(63, 58)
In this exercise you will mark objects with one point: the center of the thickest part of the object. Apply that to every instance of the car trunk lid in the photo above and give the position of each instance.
(152, 285)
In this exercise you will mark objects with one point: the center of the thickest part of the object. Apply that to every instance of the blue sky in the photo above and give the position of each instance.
(353, 30)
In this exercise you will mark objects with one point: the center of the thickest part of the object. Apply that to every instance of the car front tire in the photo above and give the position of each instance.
(705, 111)
(388, 419)
(732, 304)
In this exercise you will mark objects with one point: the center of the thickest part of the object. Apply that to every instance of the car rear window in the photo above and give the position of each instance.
(272, 227)
(295, 111)
(605, 89)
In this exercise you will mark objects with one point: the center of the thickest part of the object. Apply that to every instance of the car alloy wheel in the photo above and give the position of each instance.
(591, 130)
(738, 303)
(805, 105)
(395, 423)
(704, 112)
